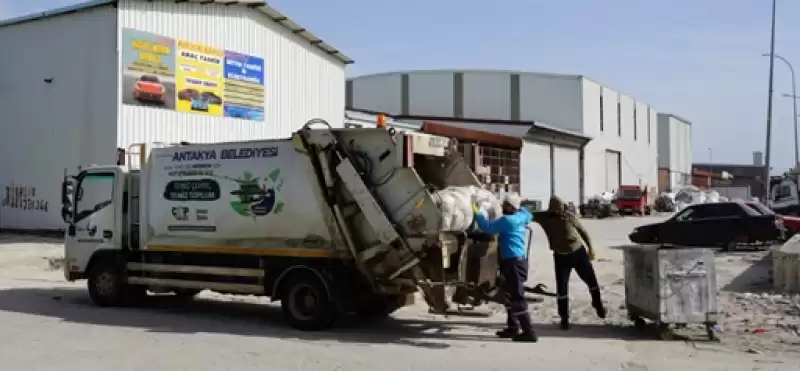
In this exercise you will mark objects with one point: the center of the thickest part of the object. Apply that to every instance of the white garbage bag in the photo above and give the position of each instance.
(456, 206)
(689, 195)
(712, 197)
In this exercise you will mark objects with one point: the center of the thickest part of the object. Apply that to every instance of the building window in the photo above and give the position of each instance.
(619, 118)
(602, 114)
(648, 124)
(635, 124)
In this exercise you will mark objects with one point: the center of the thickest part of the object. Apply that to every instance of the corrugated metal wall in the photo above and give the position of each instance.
(475, 94)
(47, 127)
(300, 81)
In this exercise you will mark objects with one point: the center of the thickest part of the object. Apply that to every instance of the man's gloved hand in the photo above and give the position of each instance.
(592, 255)
(475, 208)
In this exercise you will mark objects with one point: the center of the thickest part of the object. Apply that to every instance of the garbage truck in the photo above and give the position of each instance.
(329, 222)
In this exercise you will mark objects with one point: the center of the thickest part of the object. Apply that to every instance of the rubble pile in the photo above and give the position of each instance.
(762, 312)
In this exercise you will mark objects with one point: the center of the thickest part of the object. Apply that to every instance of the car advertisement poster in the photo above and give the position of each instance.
(244, 86)
(148, 69)
(199, 78)
(181, 75)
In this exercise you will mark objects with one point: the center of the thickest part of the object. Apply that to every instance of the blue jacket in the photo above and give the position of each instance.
(510, 230)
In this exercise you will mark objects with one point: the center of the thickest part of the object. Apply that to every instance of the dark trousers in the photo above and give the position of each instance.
(515, 274)
(580, 262)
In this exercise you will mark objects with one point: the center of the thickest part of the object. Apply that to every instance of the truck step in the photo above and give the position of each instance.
(196, 269)
(238, 288)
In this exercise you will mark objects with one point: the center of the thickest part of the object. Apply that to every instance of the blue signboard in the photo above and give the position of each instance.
(244, 86)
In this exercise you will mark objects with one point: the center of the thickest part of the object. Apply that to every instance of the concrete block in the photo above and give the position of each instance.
(786, 266)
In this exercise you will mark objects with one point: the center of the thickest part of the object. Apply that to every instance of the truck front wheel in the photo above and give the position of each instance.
(107, 286)
(306, 303)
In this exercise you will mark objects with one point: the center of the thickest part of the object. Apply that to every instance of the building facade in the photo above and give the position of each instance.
(674, 151)
(106, 74)
(623, 138)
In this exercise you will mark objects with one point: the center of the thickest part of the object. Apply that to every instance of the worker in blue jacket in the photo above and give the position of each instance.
(511, 230)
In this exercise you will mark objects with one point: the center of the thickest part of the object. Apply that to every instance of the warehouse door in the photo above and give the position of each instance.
(613, 170)
(567, 173)
(535, 177)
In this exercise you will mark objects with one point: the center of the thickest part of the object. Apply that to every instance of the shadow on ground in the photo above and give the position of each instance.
(170, 315)
(15, 236)
(756, 278)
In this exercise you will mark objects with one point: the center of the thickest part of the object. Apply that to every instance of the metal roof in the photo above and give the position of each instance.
(359, 117)
(261, 6)
(526, 125)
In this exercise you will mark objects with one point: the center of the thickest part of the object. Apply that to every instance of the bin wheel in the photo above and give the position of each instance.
(306, 303)
(638, 321)
(665, 332)
(712, 336)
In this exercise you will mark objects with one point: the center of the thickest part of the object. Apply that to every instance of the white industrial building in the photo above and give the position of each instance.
(87, 80)
(621, 131)
(674, 151)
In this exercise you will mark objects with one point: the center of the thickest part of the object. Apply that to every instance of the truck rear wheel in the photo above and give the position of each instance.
(107, 286)
(306, 302)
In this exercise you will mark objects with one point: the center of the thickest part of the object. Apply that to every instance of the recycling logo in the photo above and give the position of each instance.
(256, 196)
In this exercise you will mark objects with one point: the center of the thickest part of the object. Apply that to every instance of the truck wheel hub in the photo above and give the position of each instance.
(304, 302)
(105, 283)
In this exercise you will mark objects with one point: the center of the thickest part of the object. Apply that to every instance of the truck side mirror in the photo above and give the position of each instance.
(67, 208)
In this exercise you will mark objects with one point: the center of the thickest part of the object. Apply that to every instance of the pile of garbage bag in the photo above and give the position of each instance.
(456, 206)
(691, 195)
(664, 203)
(599, 206)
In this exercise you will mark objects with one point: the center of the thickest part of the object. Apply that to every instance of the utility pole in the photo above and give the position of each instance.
(710, 166)
(796, 149)
(769, 103)
(794, 105)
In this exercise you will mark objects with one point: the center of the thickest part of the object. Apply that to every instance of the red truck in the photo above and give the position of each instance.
(632, 200)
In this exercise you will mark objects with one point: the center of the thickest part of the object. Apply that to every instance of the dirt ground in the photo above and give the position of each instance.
(50, 324)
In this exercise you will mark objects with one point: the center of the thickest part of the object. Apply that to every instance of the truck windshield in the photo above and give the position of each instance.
(629, 194)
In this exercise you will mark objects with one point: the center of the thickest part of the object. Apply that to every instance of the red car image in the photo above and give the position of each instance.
(149, 88)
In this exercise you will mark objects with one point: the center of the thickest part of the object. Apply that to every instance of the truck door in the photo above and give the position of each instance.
(93, 212)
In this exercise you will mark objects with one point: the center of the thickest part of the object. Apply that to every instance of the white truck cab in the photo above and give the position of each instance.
(94, 203)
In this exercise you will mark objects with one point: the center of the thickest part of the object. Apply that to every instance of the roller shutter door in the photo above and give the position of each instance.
(567, 174)
(612, 171)
(535, 177)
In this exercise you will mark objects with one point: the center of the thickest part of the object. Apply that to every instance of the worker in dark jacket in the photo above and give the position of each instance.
(511, 228)
(572, 249)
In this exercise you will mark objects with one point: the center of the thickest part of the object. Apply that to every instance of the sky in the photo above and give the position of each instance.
(701, 60)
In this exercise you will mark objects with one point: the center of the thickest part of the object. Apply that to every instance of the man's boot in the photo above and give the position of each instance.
(563, 312)
(597, 302)
(527, 335)
(564, 323)
(512, 326)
